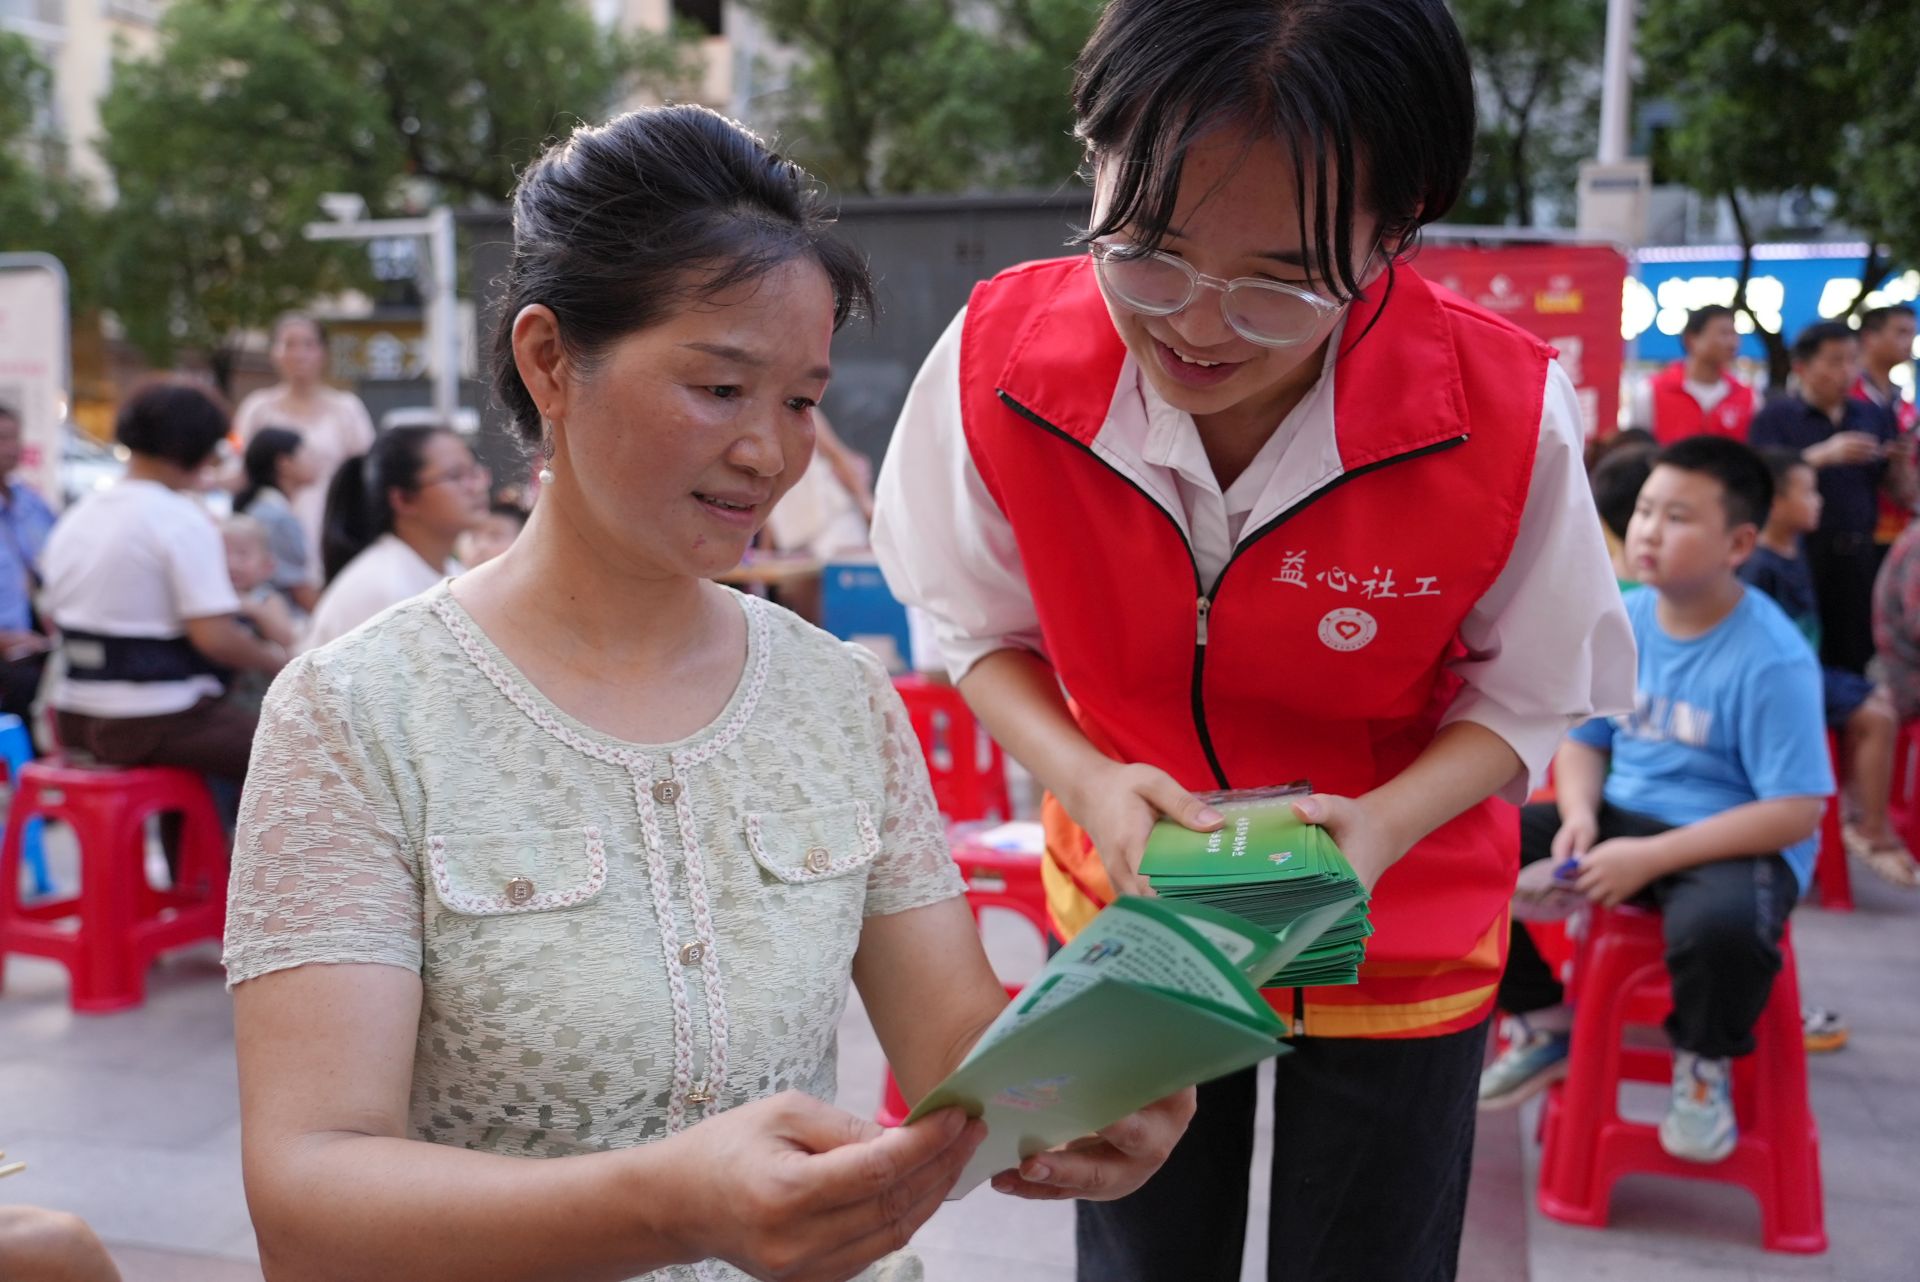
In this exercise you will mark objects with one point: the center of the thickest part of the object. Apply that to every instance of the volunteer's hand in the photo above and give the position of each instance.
(1615, 871)
(791, 1189)
(1844, 449)
(1369, 845)
(1577, 834)
(1118, 807)
(1111, 1164)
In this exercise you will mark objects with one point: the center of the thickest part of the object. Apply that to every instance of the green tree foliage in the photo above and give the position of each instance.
(221, 144)
(930, 95)
(1790, 96)
(41, 207)
(1536, 64)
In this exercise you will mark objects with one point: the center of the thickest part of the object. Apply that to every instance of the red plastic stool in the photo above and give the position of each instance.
(1830, 875)
(121, 923)
(1906, 762)
(966, 785)
(995, 879)
(1620, 979)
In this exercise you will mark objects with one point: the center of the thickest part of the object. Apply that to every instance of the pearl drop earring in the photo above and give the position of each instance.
(545, 474)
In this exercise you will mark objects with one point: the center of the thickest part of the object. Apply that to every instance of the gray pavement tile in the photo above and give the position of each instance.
(115, 1106)
(989, 1224)
(143, 1197)
(1493, 1244)
(944, 1264)
(144, 1264)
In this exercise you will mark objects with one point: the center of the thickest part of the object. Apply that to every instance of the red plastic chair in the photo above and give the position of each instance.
(1906, 763)
(967, 784)
(995, 879)
(122, 922)
(1830, 875)
(1620, 979)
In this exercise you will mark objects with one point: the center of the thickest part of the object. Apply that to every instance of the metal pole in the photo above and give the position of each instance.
(1616, 82)
(446, 312)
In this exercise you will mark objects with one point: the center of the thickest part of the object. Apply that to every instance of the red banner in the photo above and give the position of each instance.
(1569, 295)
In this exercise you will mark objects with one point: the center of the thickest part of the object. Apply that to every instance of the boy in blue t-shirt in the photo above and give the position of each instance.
(1703, 802)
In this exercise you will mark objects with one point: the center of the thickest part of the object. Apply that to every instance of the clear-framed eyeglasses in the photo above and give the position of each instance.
(1268, 312)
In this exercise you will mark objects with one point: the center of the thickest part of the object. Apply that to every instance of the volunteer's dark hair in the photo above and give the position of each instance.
(1781, 463)
(172, 419)
(1746, 483)
(7, 411)
(262, 462)
(359, 499)
(1616, 482)
(1875, 319)
(623, 223)
(1809, 341)
(1700, 317)
(1340, 83)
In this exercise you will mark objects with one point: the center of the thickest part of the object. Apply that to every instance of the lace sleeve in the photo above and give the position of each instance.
(321, 872)
(914, 866)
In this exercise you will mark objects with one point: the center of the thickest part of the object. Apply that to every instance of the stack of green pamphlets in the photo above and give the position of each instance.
(1150, 997)
(1267, 865)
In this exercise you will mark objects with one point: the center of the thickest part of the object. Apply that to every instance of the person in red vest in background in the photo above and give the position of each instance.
(1698, 395)
(1886, 343)
(1267, 506)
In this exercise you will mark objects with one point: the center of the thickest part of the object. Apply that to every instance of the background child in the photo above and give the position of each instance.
(250, 564)
(1861, 712)
(493, 535)
(1723, 756)
(1616, 478)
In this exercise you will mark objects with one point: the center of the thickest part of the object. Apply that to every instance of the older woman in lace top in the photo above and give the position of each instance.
(572, 858)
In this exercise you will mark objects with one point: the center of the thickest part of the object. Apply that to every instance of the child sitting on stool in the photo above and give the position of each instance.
(1708, 811)
(1858, 710)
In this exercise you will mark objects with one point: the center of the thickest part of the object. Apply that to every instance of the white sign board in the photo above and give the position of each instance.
(35, 381)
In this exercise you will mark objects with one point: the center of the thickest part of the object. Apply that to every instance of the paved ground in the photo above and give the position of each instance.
(131, 1120)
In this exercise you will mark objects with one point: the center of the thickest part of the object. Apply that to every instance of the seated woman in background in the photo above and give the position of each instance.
(278, 466)
(552, 879)
(136, 582)
(393, 516)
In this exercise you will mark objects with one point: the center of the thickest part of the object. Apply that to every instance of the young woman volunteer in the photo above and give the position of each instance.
(1270, 507)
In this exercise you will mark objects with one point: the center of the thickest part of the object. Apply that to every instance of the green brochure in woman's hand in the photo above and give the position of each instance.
(1151, 996)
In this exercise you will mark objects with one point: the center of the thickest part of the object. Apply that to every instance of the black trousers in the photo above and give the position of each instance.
(1843, 566)
(1373, 1146)
(1722, 921)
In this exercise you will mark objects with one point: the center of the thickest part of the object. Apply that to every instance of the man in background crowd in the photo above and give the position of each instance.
(1886, 343)
(1698, 394)
(1850, 443)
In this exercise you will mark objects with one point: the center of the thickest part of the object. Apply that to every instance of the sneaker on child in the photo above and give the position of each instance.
(1699, 1125)
(1534, 1059)
(1822, 1030)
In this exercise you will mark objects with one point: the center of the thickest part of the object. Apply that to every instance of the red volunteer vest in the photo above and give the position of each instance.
(1320, 652)
(1677, 415)
(1893, 518)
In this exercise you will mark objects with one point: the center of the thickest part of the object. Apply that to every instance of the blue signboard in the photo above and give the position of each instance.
(1791, 286)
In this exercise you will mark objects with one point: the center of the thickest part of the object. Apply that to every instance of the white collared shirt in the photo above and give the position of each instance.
(1548, 644)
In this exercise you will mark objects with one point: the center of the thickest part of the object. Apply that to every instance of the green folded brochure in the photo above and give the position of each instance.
(1267, 865)
(1151, 996)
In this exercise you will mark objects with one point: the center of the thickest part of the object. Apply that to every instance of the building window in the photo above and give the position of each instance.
(704, 14)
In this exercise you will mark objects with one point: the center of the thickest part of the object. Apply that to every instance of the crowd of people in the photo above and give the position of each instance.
(169, 599)
(571, 853)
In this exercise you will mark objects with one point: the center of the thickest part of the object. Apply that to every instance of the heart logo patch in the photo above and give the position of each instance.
(1347, 629)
